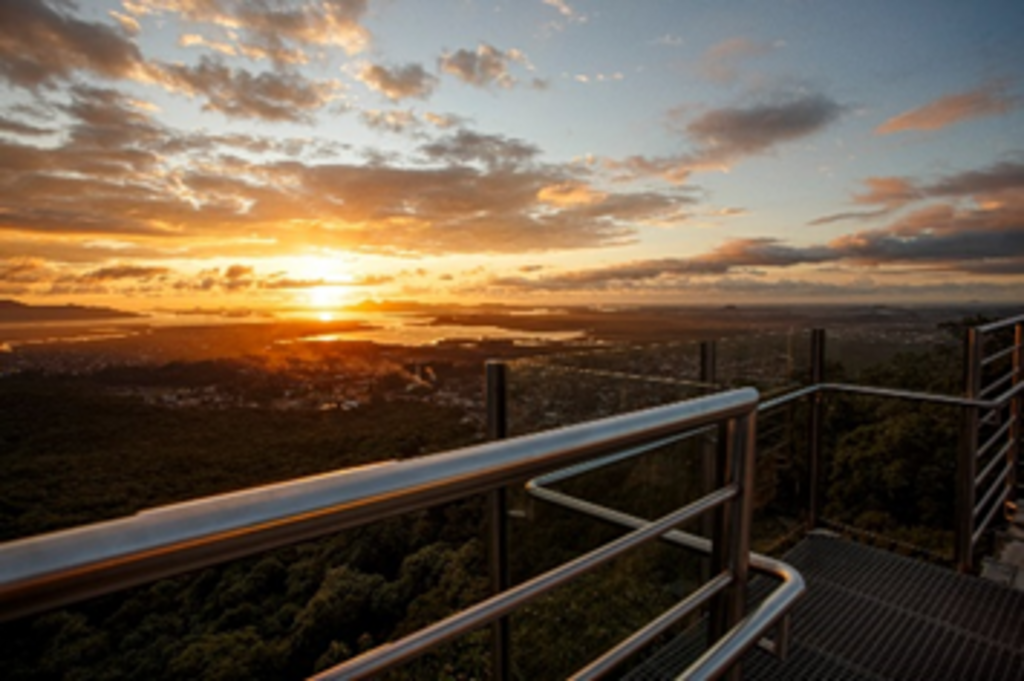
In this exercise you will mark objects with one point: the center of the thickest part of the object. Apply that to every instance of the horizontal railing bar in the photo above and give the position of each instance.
(996, 436)
(894, 393)
(787, 398)
(998, 484)
(991, 465)
(996, 507)
(617, 457)
(1000, 324)
(758, 562)
(37, 573)
(996, 384)
(388, 655)
(623, 375)
(996, 356)
(949, 400)
(642, 637)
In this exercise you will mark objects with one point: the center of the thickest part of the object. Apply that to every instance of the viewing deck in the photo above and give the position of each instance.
(871, 614)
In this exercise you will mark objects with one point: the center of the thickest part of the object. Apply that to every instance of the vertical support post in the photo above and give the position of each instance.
(814, 429)
(966, 460)
(708, 455)
(497, 429)
(731, 543)
(721, 539)
(1016, 413)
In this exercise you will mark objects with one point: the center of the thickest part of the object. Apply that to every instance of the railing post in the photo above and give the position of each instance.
(1016, 413)
(709, 453)
(497, 429)
(814, 429)
(966, 464)
(731, 541)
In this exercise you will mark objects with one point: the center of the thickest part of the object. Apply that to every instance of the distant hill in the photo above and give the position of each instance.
(13, 311)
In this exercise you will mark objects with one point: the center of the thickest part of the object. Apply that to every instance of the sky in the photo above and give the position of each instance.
(225, 154)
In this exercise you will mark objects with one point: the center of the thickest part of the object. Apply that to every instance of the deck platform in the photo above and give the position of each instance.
(870, 614)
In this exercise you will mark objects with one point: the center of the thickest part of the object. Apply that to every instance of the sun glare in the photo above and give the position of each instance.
(327, 296)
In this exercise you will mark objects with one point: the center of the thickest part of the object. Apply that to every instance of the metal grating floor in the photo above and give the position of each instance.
(869, 614)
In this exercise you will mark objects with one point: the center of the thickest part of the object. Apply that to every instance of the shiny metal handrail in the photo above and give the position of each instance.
(1000, 324)
(47, 571)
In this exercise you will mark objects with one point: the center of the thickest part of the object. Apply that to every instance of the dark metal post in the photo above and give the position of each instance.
(966, 464)
(497, 429)
(708, 455)
(1016, 409)
(742, 452)
(721, 537)
(731, 540)
(814, 429)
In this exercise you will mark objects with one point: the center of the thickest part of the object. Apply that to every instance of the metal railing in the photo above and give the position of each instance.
(39, 573)
(991, 431)
(991, 408)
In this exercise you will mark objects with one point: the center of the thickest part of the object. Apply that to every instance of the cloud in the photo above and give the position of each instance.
(116, 272)
(1004, 176)
(484, 67)
(673, 169)
(567, 15)
(195, 39)
(40, 44)
(281, 31)
(493, 151)
(996, 184)
(396, 120)
(562, 6)
(399, 82)
(235, 272)
(280, 95)
(599, 77)
(725, 135)
(988, 100)
(848, 215)
(443, 121)
(887, 191)
(720, 62)
(721, 137)
(18, 128)
(744, 289)
(24, 271)
(572, 193)
(939, 239)
(115, 187)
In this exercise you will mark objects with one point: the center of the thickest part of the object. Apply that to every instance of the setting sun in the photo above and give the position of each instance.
(326, 296)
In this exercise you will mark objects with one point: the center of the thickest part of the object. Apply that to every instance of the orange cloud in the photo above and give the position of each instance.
(989, 100)
(888, 191)
(570, 194)
(399, 82)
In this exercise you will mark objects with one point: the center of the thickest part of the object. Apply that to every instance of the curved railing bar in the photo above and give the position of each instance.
(737, 641)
